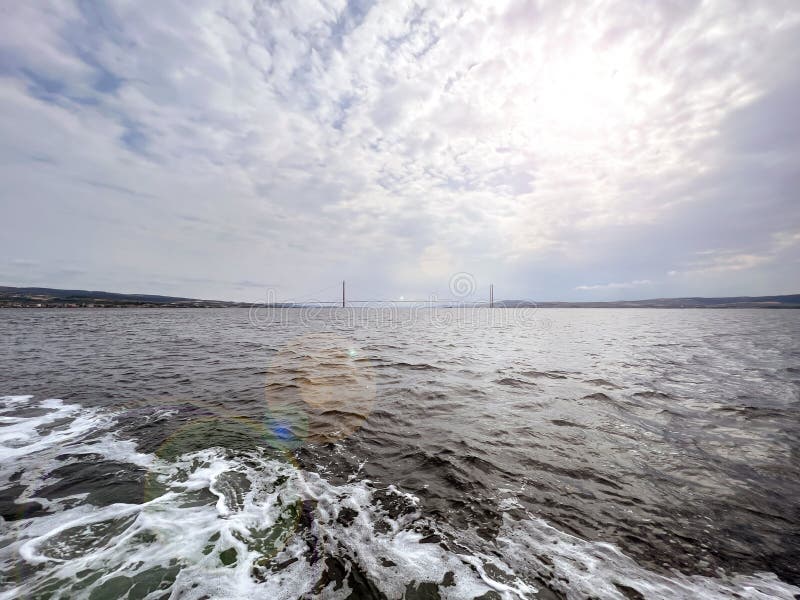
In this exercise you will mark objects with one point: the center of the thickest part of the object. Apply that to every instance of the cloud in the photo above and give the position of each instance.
(779, 247)
(615, 286)
(535, 146)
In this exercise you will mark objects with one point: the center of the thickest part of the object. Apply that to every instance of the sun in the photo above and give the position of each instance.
(582, 97)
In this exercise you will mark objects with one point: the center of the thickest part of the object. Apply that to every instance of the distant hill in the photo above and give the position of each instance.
(21, 297)
(787, 301)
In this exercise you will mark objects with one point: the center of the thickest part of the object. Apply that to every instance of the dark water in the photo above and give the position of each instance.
(342, 453)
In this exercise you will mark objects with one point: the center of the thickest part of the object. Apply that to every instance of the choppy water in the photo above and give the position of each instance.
(541, 454)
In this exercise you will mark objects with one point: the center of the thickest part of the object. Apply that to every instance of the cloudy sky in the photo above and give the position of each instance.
(587, 150)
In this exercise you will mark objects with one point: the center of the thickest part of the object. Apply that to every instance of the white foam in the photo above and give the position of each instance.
(184, 530)
(211, 502)
(23, 447)
(580, 569)
(275, 523)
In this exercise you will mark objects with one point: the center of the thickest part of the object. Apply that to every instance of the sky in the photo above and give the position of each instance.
(590, 150)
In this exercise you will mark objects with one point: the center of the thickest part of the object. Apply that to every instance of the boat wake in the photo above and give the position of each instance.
(85, 515)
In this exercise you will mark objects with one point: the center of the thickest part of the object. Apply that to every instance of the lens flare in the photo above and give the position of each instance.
(321, 389)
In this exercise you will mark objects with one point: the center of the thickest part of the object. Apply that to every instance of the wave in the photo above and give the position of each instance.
(218, 523)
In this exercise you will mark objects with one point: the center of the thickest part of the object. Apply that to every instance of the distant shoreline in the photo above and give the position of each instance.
(610, 305)
(41, 298)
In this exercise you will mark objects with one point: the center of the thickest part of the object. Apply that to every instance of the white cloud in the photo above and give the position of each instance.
(725, 260)
(615, 286)
(302, 141)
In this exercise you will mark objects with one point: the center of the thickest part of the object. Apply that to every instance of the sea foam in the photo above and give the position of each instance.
(237, 525)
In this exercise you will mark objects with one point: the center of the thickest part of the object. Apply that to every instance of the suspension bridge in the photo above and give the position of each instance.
(464, 293)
